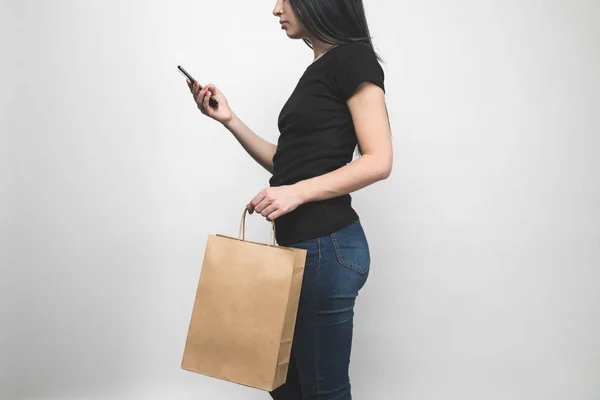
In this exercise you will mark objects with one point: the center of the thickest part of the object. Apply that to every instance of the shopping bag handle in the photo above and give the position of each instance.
(243, 228)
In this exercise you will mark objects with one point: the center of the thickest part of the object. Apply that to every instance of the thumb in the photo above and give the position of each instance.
(213, 89)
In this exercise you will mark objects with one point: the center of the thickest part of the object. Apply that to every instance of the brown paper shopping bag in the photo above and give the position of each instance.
(244, 314)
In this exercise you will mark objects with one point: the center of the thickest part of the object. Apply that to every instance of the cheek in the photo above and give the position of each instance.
(289, 13)
(296, 29)
(296, 24)
(299, 29)
(292, 24)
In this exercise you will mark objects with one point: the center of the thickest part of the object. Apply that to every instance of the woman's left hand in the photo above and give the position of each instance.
(273, 202)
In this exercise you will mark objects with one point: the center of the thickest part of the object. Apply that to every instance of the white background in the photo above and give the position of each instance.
(485, 240)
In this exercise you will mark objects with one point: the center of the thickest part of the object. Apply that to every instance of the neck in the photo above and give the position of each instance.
(319, 48)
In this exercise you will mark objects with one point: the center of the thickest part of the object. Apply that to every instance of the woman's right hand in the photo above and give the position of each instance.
(222, 113)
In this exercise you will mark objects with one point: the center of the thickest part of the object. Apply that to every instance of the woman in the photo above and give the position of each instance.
(337, 104)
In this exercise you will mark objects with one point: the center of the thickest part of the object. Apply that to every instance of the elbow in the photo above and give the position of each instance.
(385, 173)
(381, 167)
(385, 170)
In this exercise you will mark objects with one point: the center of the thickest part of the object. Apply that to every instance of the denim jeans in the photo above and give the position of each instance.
(337, 267)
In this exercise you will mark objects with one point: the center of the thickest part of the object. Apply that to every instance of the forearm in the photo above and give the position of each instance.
(259, 149)
(362, 172)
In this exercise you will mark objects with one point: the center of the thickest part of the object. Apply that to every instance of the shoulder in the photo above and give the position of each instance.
(355, 63)
(356, 50)
(357, 56)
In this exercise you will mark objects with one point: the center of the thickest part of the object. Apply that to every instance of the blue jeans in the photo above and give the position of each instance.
(337, 266)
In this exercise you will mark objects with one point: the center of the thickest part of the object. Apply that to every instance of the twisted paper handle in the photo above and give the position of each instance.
(243, 228)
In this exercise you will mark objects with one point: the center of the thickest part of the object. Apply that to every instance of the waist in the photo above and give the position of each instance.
(314, 219)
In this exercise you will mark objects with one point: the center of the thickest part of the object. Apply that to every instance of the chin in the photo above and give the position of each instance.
(294, 34)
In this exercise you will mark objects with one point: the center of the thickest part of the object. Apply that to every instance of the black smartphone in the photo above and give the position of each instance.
(211, 101)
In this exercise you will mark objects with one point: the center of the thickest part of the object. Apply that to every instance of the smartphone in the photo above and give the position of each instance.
(211, 101)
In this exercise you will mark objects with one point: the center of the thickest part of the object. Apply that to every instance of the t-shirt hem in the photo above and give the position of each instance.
(288, 240)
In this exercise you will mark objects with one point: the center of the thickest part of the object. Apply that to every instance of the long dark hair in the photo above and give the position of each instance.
(335, 22)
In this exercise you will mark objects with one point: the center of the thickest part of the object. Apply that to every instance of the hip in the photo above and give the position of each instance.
(347, 247)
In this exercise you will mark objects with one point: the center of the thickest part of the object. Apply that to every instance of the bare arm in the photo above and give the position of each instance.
(369, 116)
(367, 107)
(259, 149)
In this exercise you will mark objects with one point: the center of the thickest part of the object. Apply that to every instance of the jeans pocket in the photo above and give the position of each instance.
(351, 247)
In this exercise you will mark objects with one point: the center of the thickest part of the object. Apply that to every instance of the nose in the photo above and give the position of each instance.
(278, 9)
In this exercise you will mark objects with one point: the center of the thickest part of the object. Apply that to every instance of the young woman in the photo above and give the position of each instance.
(337, 105)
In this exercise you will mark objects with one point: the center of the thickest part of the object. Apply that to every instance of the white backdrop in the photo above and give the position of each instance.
(485, 240)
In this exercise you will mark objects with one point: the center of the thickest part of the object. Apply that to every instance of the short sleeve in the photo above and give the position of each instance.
(356, 64)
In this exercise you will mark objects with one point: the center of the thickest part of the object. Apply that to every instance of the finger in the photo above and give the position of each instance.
(206, 98)
(196, 89)
(268, 210)
(200, 96)
(256, 200)
(274, 215)
(260, 207)
(213, 90)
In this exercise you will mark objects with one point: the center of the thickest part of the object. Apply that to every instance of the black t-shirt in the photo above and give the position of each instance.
(317, 136)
